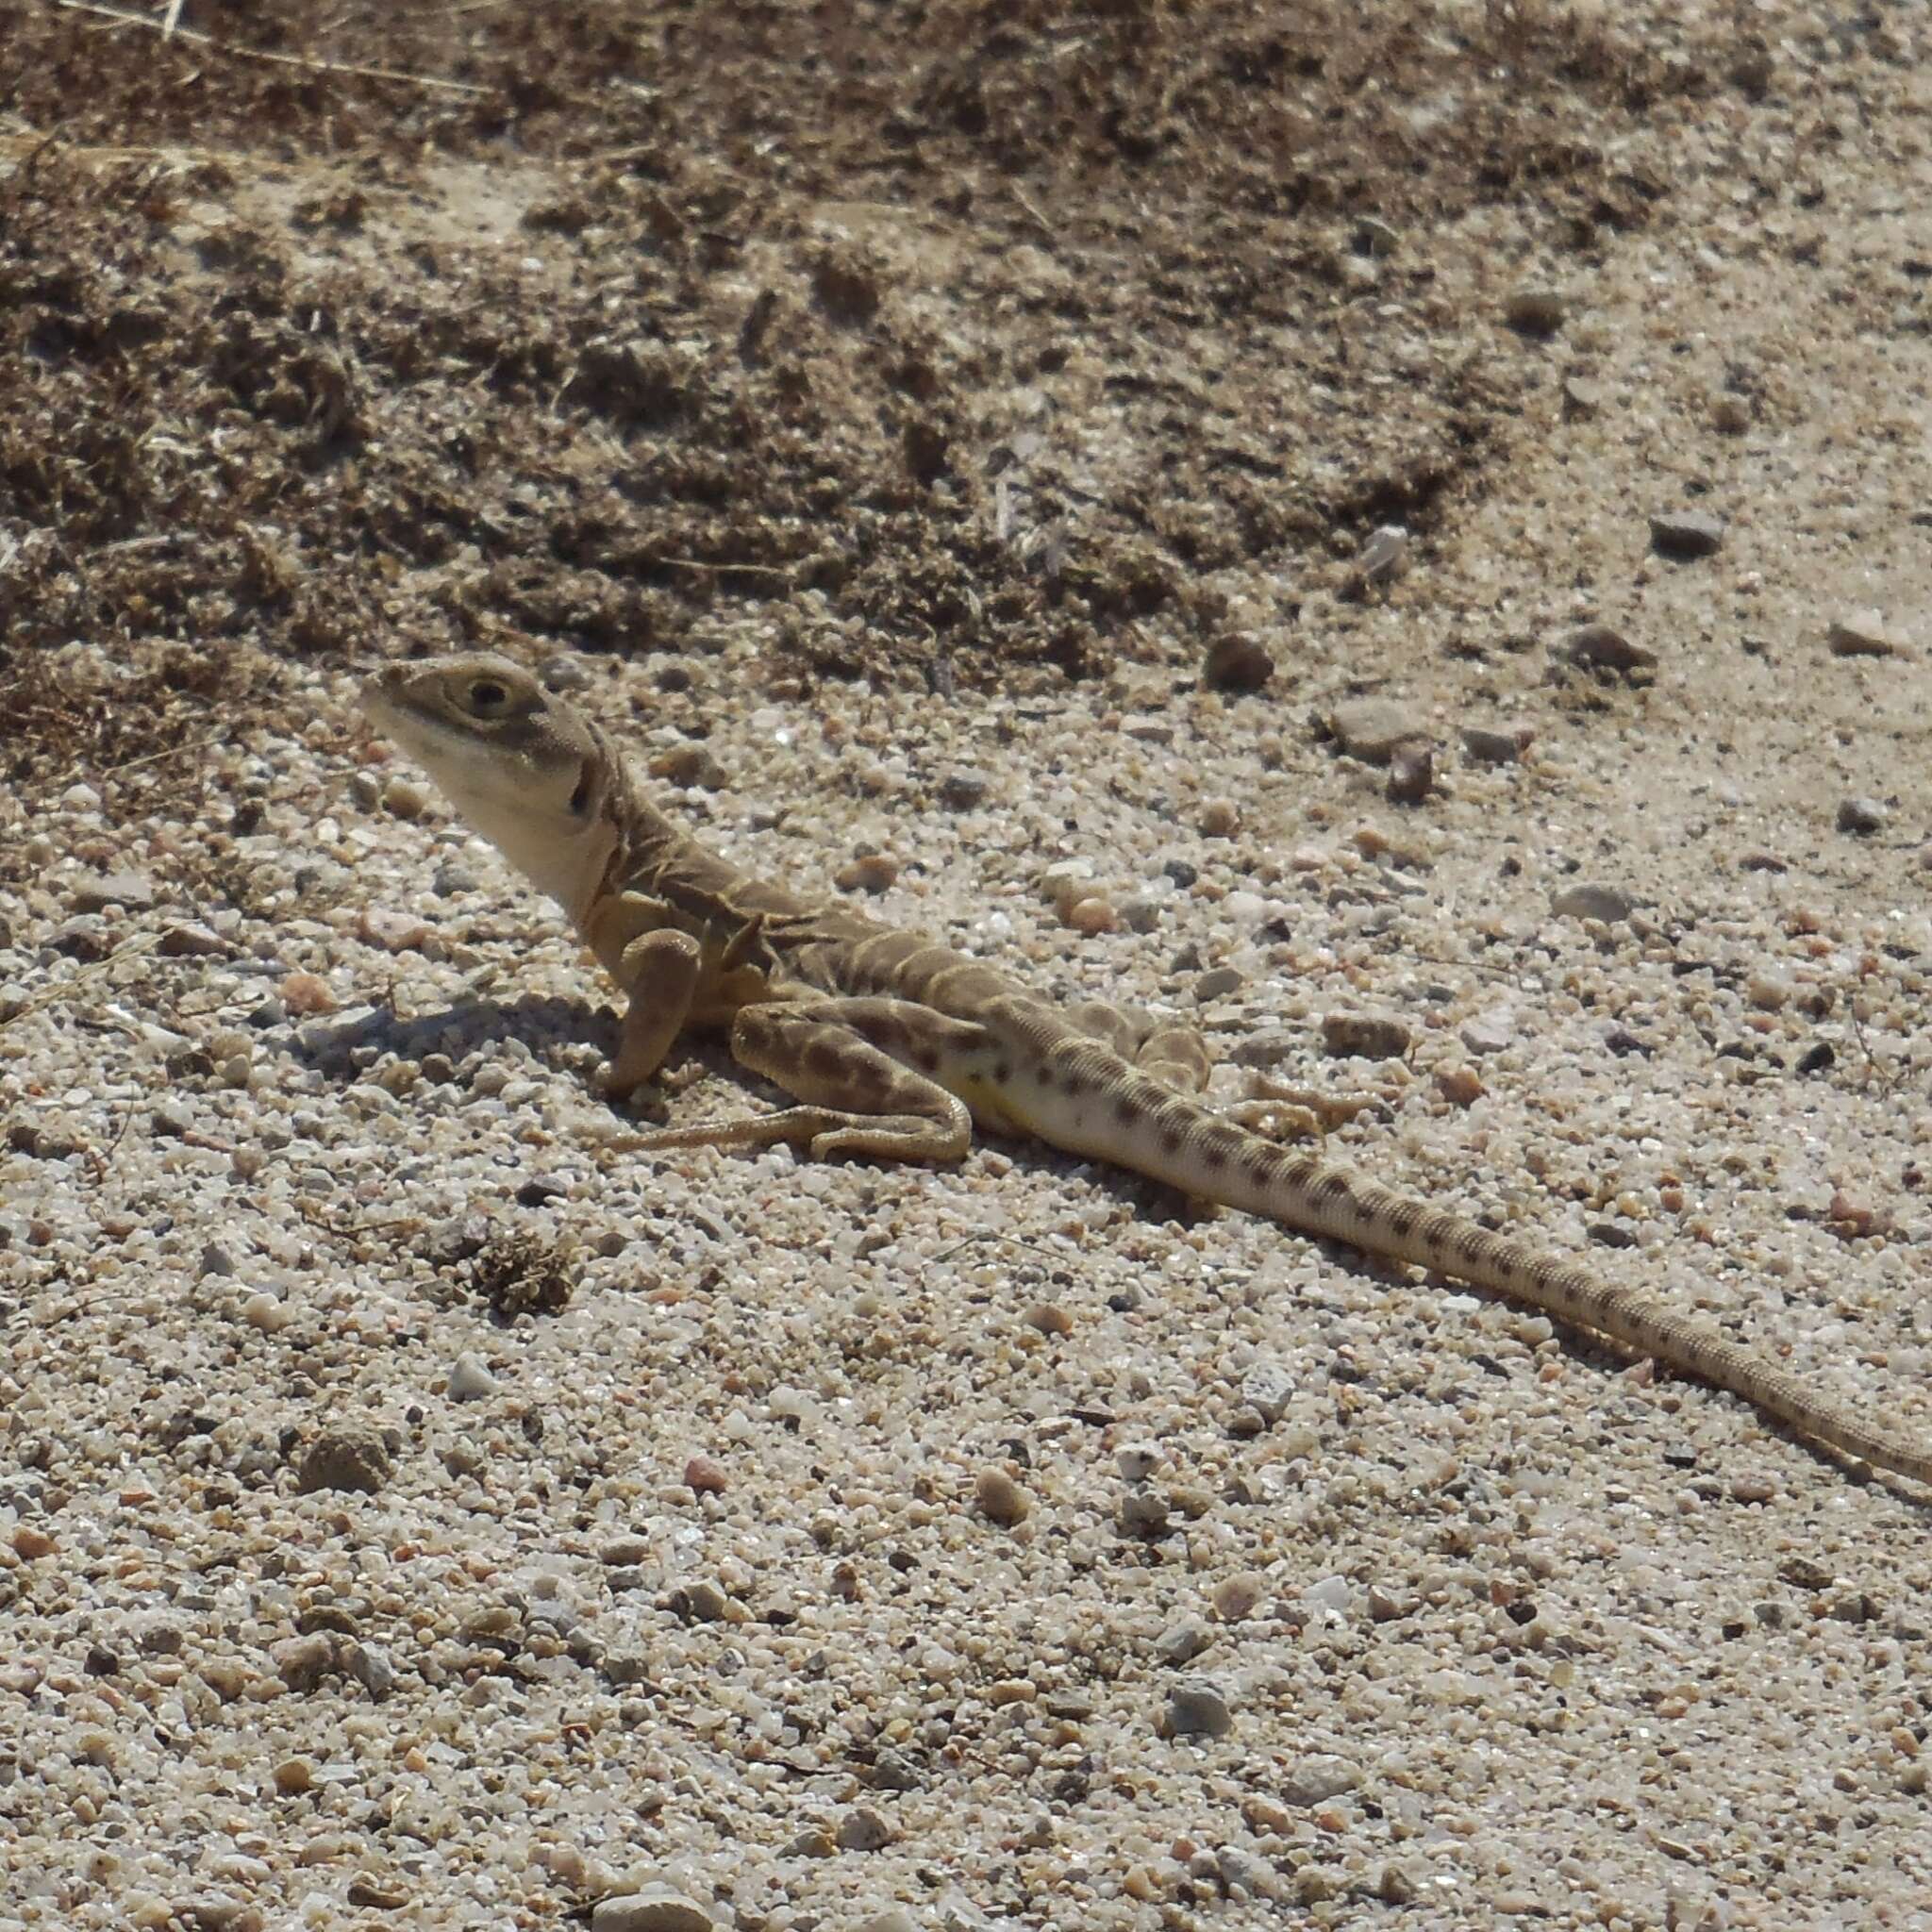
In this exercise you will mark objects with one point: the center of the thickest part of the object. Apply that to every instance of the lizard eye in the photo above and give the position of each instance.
(580, 798)
(488, 697)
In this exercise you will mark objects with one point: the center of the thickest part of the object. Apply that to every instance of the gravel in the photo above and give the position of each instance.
(774, 1567)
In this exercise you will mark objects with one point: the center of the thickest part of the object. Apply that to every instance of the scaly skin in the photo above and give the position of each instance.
(894, 1047)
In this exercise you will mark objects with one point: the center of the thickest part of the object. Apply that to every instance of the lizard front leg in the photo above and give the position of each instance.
(660, 970)
(863, 1070)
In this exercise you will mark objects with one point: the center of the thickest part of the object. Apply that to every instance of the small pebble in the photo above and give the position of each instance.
(656, 1908)
(305, 994)
(214, 1911)
(1000, 1498)
(394, 932)
(862, 1829)
(1491, 1031)
(1599, 647)
(1383, 552)
(1491, 745)
(1221, 818)
(402, 798)
(1315, 1780)
(690, 767)
(1411, 773)
(1268, 1388)
(192, 943)
(1590, 899)
(132, 890)
(705, 1476)
(470, 1379)
(266, 1313)
(1371, 728)
(964, 788)
(1861, 634)
(1535, 308)
(1092, 916)
(1237, 1596)
(1182, 1642)
(1730, 416)
(869, 872)
(894, 1918)
(1197, 1708)
(1137, 1461)
(1217, 984)
(346, 1456)
(1582, 398)
(1385, 1606)
(1365, 1036)
(1861, 815)
(1686, 534)
(303, 1662)
(370, 1665)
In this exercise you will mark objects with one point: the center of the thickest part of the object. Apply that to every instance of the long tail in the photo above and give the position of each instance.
(1172, 1138)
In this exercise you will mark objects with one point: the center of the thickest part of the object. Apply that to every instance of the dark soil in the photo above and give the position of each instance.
(953, 341)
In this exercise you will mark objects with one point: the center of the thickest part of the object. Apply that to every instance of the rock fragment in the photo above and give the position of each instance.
(1371, 728)
(1862, 634)
(1000, 1498)
(1536, 308)
(1601, 647)
(132, 890)
(1590, 899)
(656, 1908)
(1365, 1036)
(346, 1456)
(1197, 1707)
(1489, 745)
(1685, 535)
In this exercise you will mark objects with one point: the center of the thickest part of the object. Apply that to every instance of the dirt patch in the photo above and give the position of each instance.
(962, 337)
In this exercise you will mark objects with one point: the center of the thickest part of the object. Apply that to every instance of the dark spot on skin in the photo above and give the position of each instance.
(1471, 1246)
(1260, 1169)
(1333, 1185)
(1003, 1073)
(1126, 1110)
(1170, 1142)
(927, 1059)
(1401, 1223)
(1214, 1159)
(1076, 1086)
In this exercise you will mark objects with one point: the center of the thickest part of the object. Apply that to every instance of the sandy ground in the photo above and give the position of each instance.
(415, 1512)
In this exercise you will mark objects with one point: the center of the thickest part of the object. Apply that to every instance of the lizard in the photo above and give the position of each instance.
(895, 1048)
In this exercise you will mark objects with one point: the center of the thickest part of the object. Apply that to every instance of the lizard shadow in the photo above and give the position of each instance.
(551, 1027)
(343, 1046)
(1153, 1201)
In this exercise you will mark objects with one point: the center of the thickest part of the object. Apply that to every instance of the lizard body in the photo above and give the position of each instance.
(894, 1047)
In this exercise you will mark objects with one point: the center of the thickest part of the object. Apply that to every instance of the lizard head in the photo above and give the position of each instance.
(524, 767)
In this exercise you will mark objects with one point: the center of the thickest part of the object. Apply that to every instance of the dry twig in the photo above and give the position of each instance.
(171, 29)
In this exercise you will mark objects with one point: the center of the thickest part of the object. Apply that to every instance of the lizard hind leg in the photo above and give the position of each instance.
(856, 1095)
(1175, 1054)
